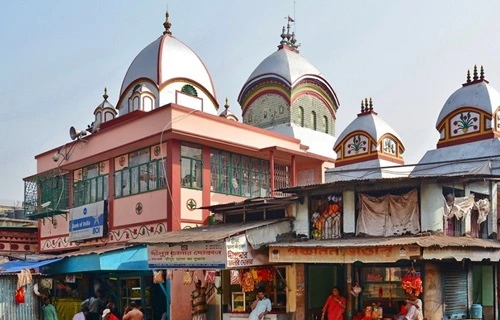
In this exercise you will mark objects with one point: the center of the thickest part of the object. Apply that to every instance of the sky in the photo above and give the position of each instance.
(409, 56)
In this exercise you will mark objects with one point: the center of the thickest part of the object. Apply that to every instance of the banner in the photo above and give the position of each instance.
(187, 256)
(240, 254)
(86, 222)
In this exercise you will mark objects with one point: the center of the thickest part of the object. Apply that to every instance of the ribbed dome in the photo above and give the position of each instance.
(165, 59)
(370, 123)
(285, 64)
(478, 95)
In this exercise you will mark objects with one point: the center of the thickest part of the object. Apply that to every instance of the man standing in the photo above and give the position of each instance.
(82, 315)
(260, 306)
(132, 312)
(49, 311)
(95, 305)
(199, 302)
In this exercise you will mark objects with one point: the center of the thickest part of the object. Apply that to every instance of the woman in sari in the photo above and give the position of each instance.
(335, 306)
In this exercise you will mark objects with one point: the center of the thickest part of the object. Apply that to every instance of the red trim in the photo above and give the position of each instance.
(207, 179)
(111, 193)
(269, 91)
(190, 81)
(173, 185)
(195, 221)
(462, 140)
(271, 170)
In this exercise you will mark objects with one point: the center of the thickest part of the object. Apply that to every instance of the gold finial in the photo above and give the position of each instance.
(468, 76)
(167, 24)
(362, 106)
(371, 104)
(105, 95)
(227, 104)
(481, 74)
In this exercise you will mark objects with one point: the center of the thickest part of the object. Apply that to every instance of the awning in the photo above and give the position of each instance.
(107, 258)
(212, 233)
(388, 249)
(18, 265)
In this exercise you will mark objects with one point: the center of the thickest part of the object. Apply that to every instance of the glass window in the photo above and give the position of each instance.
(191, 166)
(141, 175)
(239, 175)
(325, 124)
(92, 188)
(301, 116)
(313, 120)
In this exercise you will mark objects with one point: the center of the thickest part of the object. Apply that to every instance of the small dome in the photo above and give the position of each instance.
(168, 62)
(228, 114)
(369, 122)
(478, 95)
(368, 137)
(470, 113)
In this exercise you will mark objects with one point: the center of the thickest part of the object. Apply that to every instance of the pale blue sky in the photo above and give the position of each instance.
(57, 56)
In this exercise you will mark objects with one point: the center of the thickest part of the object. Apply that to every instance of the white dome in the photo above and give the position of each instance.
(372, 124)
(164, 60)
(478, 95)
(285, 64)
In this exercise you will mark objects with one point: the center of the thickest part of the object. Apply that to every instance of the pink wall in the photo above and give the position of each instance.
(153, 204)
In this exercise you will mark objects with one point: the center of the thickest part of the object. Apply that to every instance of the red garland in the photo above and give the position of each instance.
(412, 283)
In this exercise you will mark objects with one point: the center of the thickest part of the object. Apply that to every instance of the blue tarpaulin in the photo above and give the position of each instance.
(18, 265)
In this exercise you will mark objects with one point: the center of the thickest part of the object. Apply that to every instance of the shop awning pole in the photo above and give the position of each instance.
(165, 287)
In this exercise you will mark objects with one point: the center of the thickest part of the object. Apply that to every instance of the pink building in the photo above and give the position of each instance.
(144, 167)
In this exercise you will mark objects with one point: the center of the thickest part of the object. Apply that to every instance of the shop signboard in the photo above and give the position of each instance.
(196, 255)
(87, 221)
(342, 254)
(241, 254)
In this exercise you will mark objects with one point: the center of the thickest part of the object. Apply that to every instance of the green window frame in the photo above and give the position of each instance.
(191, 166)
(144, 177)
(92, 188)
(239, 175)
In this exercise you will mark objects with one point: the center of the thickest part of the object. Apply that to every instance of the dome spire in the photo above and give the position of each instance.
(366, 107)
(288, 40)
(167, 24)
(476, 76)
(105, 95)
(227, 104)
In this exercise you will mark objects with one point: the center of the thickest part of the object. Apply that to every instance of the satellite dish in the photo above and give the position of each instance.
(76, 134)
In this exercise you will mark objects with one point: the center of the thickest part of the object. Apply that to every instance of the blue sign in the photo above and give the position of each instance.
(87, 222)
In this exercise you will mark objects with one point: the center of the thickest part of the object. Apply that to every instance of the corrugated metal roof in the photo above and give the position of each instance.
(253, 203)
(424, 241)
(339, 184)
(94, 250)
(206, 233)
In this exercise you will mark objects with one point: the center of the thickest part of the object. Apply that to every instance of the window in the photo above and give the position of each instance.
(141, 175)
(191, 166)
(239, 175)
(301, 116)
(453, 227)
(92, 188)
(313, 120)
(325, 124)
(189, 89)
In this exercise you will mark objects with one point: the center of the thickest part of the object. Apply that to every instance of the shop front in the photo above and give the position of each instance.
(120, 272)
(232, 262)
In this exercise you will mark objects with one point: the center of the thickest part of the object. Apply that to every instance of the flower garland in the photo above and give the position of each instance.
(412, 283)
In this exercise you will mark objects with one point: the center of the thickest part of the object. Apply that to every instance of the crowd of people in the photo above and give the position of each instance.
(96, 308)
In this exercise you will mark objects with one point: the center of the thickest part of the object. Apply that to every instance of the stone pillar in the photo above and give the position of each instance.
(432, 295)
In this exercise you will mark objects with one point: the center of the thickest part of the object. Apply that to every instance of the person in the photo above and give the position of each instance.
(132, 312)
(413, 309)
(82, 315)
(334, 306)
(95, 305)
(198, 302)
(49, 311)
(260, 306)
(107, 314)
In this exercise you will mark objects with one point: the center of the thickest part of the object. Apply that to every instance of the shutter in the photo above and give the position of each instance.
(455, 291)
